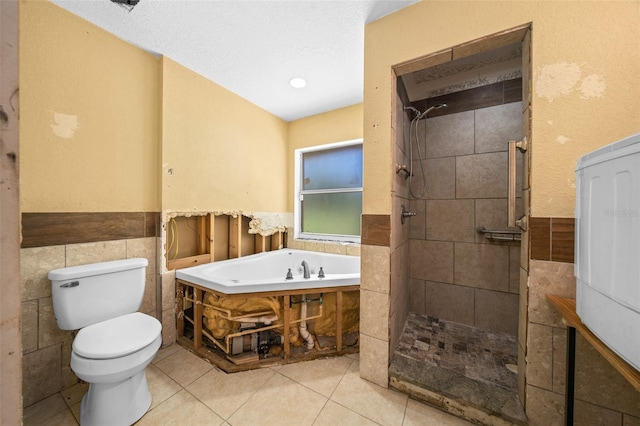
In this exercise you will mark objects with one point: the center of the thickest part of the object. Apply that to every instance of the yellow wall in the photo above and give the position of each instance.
(219, 151)
(102, 123)
(88, 117)
(585, 88)
(334, 126)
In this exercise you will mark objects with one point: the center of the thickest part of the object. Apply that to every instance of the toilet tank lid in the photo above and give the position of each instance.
(101, 268)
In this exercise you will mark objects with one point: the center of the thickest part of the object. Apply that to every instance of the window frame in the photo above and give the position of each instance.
(298, 194)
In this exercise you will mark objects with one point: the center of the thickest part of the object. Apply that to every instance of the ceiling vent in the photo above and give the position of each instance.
(127, 4)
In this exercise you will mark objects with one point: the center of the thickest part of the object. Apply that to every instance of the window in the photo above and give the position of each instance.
(328, 192)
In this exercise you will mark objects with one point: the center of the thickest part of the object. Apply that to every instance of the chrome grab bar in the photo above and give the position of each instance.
(511, 195)
(500, 235)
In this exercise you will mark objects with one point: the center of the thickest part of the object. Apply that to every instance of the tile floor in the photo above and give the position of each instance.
(189, 391)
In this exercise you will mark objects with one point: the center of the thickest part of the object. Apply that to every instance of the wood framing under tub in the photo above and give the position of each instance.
(194, 335)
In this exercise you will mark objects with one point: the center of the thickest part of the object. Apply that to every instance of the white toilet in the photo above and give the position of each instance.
(115, 343)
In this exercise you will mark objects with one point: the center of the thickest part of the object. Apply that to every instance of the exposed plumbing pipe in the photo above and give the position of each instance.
(266, 319)
(303, 324)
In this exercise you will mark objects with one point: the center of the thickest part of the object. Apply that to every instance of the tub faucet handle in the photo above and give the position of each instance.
(321, 273)
(289, 275)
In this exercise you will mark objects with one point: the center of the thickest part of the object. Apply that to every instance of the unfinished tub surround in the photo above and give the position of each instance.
(268, 308)
(195, 238)
(262, 223)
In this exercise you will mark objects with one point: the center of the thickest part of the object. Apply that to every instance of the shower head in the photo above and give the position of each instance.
(431, 108)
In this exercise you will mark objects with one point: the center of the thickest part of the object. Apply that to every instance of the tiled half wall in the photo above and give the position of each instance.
(602, 395)
(552, 238)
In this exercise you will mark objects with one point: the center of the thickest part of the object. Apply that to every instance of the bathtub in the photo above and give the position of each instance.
(268, 272)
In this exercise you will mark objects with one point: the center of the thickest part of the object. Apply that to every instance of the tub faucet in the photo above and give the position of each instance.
(305, 265)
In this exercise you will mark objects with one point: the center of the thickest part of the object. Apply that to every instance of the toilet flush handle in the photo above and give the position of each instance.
(70, 284)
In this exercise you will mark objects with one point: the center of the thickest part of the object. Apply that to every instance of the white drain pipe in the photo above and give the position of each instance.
(266, 319)
(303, 325)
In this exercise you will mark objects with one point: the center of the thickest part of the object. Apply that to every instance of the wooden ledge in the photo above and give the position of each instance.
(567, 308)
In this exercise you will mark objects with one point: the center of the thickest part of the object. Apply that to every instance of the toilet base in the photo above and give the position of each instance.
(121, 403)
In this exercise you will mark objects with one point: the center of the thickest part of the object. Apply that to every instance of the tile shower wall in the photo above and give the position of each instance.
(399, 297)
(455, 273)
(46, 348)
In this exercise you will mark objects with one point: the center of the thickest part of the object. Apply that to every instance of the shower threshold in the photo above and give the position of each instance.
(464, 370)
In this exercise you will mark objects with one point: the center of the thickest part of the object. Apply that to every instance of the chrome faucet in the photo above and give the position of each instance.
(305, 265)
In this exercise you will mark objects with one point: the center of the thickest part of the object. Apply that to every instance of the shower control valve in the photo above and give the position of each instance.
(404, 213)
(404, 169)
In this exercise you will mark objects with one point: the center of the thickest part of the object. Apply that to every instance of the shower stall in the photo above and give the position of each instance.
(454, 305)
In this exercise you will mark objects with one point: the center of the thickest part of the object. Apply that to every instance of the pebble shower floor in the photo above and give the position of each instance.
(471, 352)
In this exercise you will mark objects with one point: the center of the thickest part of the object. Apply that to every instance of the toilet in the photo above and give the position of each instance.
(115, 343)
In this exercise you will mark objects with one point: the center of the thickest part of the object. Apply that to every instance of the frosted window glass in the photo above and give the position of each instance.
(333, 168)
(332, 213)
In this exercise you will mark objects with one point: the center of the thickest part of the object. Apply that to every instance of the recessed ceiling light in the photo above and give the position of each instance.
(298, 82)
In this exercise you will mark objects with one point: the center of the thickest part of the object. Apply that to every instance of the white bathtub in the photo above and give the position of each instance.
(268, 272)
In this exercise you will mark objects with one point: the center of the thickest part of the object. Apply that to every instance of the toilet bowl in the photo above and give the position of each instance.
(114, 344)
(112, 356)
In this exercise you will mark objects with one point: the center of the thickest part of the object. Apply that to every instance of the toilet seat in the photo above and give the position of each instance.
(117, 337)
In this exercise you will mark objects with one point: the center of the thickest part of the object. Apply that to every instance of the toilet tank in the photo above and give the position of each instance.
(607, 247)
(88, 294)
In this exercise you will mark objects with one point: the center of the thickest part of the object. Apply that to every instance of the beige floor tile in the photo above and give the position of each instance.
(419, 414)
(40, 412)
(381, 405)
(225, 393)
(75, 410)
(181, 409)
(334, 414)
(281, 401)
(160, 385)
(320, 375)
(184, 367)
(295, 394)
(75, 393)
(166, 352)
(66, 418)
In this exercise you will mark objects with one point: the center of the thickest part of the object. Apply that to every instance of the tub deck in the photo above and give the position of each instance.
(192, 294)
